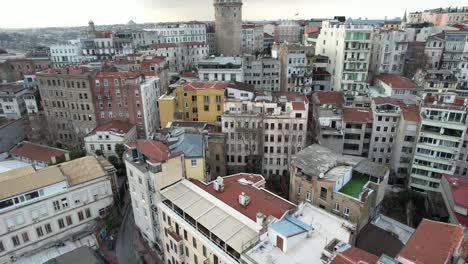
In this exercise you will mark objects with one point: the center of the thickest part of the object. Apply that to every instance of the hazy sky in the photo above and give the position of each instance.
(46, 13)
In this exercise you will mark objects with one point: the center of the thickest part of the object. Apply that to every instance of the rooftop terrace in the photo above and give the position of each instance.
(355, 186)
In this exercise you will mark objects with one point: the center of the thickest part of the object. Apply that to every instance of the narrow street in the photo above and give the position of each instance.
(124, 247)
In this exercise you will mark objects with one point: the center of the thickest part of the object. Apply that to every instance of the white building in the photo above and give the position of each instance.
(51, 205)
(150, 92)
(150, 167)
(252, 38)
(181, 56)
(264, 132)
(397, 86)
(388, 51)
(262, 72)
(106, 136)
(180, 32)
(12, 105)
(201, 224)
(441, 132)
(31, 101)
(221, 69)
(348, 48)
(63, 55)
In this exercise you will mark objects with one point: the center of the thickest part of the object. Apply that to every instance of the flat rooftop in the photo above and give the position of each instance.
(325, 228)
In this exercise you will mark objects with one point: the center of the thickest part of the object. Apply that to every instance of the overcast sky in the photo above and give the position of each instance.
(47, 13)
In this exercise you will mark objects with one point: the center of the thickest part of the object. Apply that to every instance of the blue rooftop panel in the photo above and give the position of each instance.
(290, 226)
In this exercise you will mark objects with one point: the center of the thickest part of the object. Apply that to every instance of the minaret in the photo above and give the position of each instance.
(403, 21)
(91, 31)
(228, 27)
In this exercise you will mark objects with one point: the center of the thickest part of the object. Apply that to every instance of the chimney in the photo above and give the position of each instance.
(244, 199)
(455, 183)
(53, 159)
(260, 218)
(67, 156)
(218, 184)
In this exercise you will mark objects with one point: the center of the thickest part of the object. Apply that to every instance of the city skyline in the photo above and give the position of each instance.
(147, 11)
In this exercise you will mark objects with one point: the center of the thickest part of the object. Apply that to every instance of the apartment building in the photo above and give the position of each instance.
(40, 156)
(454, 190)
(326, 119)
(193, 101)
(180, 56)
(268, 41)
(263, 132)
(66, 54)
(350, 187)
(388, 51)
(397, 86)
(150, 167)
(288, 31)
(437, 79)
(295, 72)
(193, 31)
(127, 96)
(386, 117)
(105, 137)
(67, 98)
(404, 143)
(262, 72)
(12, 104)
(357, 129)
(252, 38)
(310, 35)
(349, 49)
(441, 132)
(221, 69)
(216, 222)
(434, 49)
(15, 68)
(42, 207)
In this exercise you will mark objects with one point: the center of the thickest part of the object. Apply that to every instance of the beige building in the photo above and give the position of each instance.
(39, 208)
(150, 167)
(350, 187)
(68, 105)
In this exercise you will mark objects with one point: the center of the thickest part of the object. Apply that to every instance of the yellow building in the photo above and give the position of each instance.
(193, 101)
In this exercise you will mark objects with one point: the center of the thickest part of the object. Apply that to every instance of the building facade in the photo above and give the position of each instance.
(51, 205)
(105, 137)
(221, 69)
(262, 72)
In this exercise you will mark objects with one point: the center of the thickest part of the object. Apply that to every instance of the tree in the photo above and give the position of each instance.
(114, 161)
(119, 150)
(98, 152)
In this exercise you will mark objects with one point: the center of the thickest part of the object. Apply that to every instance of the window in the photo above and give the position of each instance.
(15, 240)
(25, 237)
(39, 231)
(69, 220)
(80, 216)
(204, 251)
(194, 242)
(185, 235)
(193, 163)
(2, 248)
(346, 211)
(61, 223)
(88, 213)
(48, 228)
(336, 207)
(56, 205)
(308, 196)
(323, 193)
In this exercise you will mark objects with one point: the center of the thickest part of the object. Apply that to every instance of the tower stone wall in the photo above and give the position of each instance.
(228, 27)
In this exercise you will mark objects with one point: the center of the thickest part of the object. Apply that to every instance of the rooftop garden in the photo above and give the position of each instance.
(354, 186)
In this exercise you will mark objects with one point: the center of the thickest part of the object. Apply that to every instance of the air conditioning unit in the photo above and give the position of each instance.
(244, 199)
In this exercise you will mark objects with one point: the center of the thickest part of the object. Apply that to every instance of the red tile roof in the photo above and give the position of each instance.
(261, 200)
(397, 81)
(155, 151)
(163, 45)
(410, 112)
(310, 29)
(357, 114)
(36, 151)
(189, 74)
(330, 97)
(117, 126)
(433, 242)
(291, 96)
(118, 74)
(205, 85)
(460, 192)
(298, 106)
(355, 255)
(386, 100)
